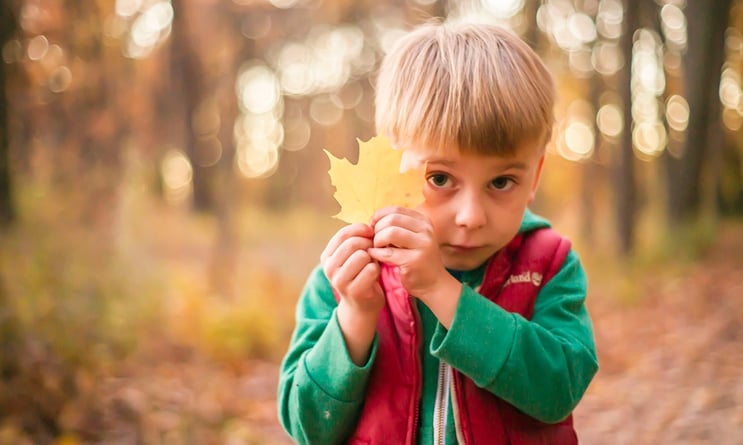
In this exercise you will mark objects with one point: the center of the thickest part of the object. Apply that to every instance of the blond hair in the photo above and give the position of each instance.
(475, 88)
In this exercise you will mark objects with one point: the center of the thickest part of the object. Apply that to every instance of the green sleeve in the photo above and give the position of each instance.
(320, 389)
(542, 366)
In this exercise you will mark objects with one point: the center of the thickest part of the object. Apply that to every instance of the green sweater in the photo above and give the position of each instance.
(321, 391)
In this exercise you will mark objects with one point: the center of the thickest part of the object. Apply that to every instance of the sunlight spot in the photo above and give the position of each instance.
(607, 58)
(284, 4)
(580, 62)
(645, 107)
(127, 8)
(53, 57)
(177, 176)
(677, 112)
(324, 111)
(582, 27)
(37, 47)
(149, 29)
(579, 138)
(208, 151)
(298, 132)
(60, 79)
(649, 139)
(256, 161)
(609, 120)
(258, 89)
(732, 119)
(503, 9)
(673, 24)
(730, 89)
(257, 140)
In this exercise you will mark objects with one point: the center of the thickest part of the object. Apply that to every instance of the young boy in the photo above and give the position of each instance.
(461, 321)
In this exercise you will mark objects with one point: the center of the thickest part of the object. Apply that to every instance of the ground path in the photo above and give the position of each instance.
(671, 373)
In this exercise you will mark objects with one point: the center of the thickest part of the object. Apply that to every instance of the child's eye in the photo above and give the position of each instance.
(439, 180)
(502, 183)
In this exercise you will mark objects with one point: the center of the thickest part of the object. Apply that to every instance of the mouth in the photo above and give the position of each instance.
(460, 248)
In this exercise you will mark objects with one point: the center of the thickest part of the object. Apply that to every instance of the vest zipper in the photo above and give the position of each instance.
(441, 406)
(417, 361)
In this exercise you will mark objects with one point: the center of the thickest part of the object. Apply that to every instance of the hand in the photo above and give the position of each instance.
(351, 271)
(354, 277)
(405, 238)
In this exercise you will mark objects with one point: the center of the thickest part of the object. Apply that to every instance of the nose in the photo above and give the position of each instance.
(470, 212)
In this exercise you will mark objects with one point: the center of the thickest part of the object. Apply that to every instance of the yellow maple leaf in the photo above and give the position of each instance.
(375, 181)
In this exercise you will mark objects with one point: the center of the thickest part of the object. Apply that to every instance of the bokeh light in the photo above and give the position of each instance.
(257, 88)
(503, 9)
(60, 79)
(677, 113)
(37, 48)
(127, 8)
(576, 135)
(609, 120)
(673, 25)
(258, 138)
(177, 176)
(649, 136)
(324, 111)
(324, 61)
(730, 89)
(609, 19)
(607, 58)
(151, 25)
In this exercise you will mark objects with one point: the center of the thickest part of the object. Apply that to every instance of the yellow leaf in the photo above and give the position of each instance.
(375, 181)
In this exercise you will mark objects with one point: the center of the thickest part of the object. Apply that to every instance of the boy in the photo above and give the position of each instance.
(461, 321)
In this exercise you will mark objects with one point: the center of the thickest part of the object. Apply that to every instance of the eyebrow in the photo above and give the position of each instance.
(515, 165)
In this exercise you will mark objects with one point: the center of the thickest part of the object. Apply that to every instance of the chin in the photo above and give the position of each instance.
(464, 263)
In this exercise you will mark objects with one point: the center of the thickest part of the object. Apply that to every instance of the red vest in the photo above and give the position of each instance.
(390, 412)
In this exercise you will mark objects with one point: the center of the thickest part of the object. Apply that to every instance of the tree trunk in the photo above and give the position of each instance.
(624, 175)
(7, 208)
(590, 169)
(190, 83)
(707, 22)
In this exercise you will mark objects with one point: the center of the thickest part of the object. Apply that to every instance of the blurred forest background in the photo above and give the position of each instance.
(163, 196)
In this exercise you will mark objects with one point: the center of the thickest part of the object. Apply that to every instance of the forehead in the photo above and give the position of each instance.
(415, 154)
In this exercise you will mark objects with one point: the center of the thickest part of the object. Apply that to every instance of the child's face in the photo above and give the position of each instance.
(475, 202)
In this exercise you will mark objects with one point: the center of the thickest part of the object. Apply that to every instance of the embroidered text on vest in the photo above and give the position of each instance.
(534, 278)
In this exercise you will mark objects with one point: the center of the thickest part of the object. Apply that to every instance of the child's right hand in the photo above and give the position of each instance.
(351, 271)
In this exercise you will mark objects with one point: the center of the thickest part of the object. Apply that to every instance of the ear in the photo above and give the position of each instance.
(537, 176)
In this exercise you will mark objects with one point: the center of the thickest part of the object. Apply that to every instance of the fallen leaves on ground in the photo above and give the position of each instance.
(671, 363)
(671, 373)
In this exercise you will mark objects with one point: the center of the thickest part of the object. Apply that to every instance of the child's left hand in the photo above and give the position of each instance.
(405, 238)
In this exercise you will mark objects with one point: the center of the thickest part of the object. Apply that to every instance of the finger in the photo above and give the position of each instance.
(343, 253)
(350, 231)
(366, 280)
(394, 210)
(411, 221)
(346, 273)
(391, 255)
(394, 236)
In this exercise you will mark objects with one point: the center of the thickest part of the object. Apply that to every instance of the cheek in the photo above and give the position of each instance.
(436, 212)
